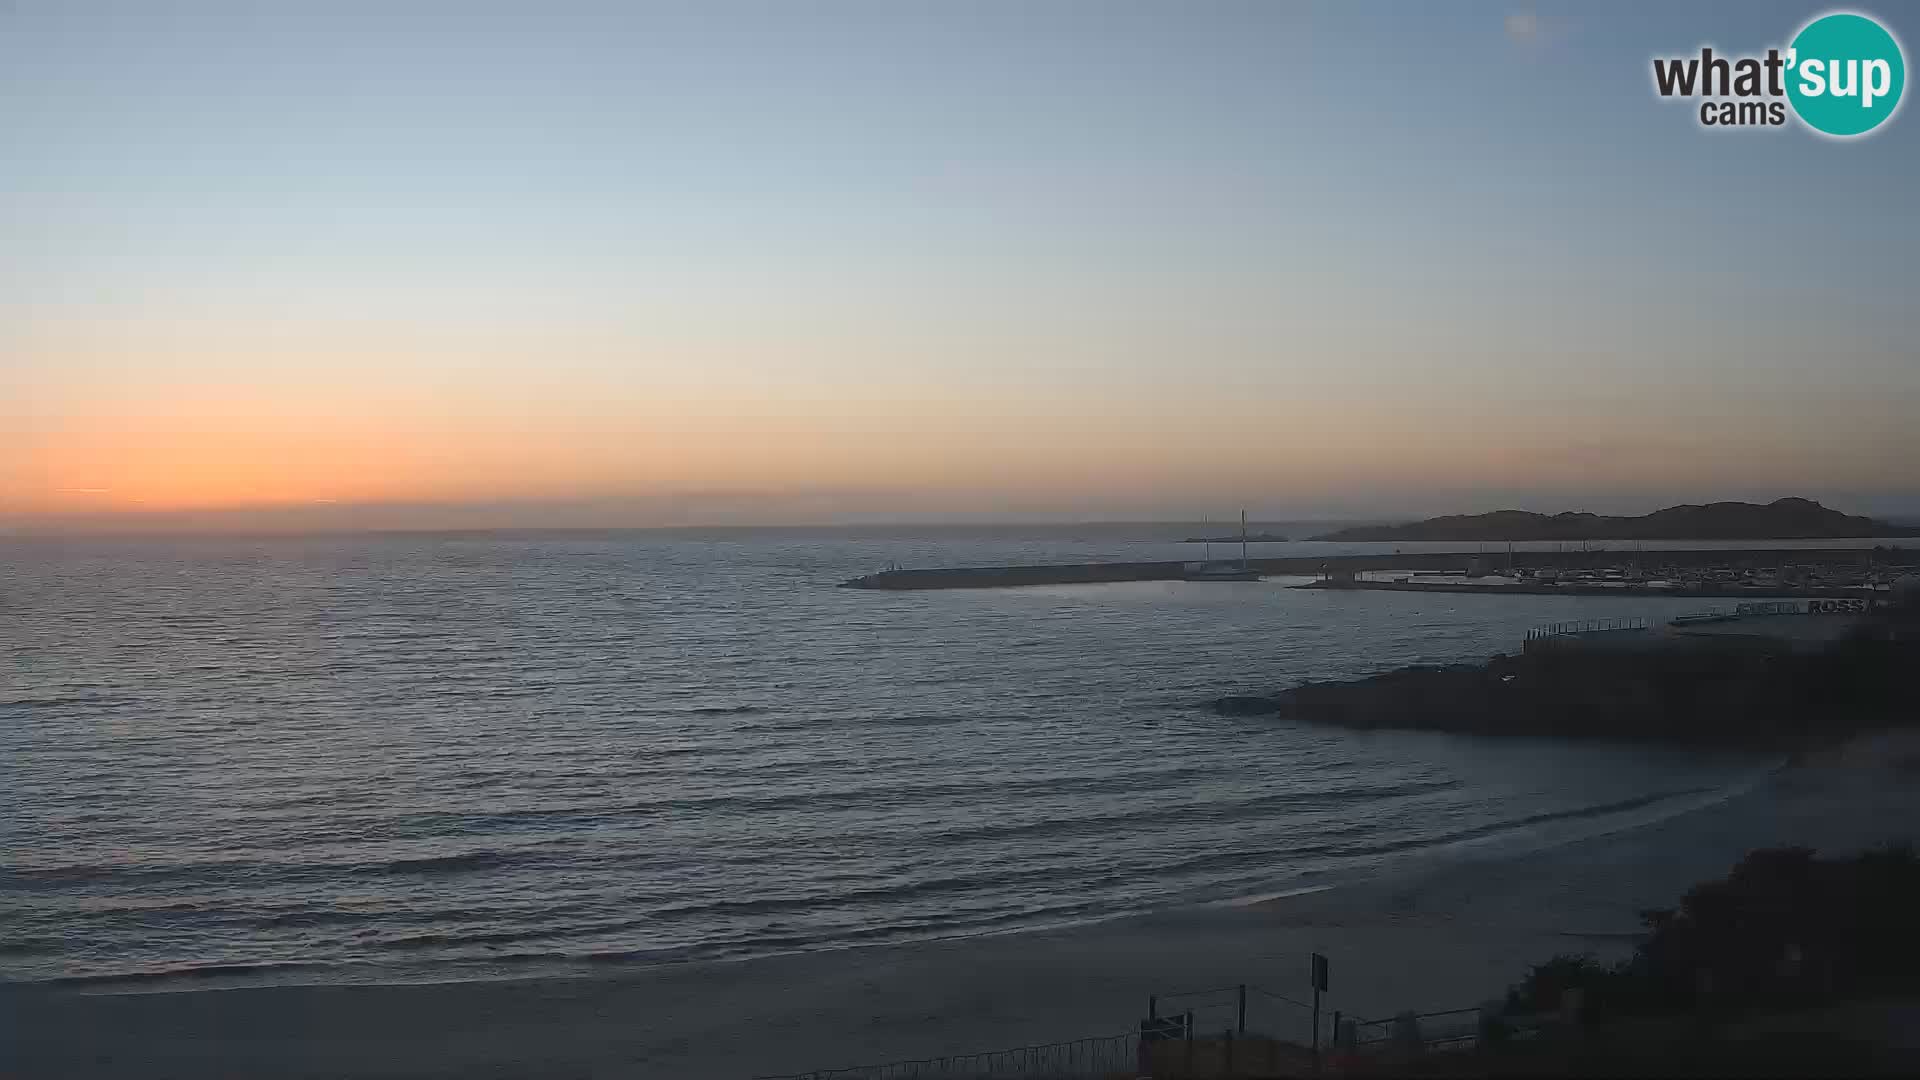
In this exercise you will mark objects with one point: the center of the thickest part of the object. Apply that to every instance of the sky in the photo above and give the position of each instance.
(546, 263)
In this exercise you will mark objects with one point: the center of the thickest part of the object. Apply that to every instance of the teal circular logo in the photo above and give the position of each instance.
(1845, 74)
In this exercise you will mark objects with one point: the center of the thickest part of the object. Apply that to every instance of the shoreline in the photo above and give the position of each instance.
(1433, 933)
(1525, 588)
(1506, 840)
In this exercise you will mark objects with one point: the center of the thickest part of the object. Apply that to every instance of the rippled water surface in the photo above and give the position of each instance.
(459, 755)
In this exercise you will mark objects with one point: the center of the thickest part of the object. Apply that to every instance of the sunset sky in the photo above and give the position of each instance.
(818, 261)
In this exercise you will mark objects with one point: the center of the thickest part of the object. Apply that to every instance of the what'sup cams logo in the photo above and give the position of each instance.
(1842, 76)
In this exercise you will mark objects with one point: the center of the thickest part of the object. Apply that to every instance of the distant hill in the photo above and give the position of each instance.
(1782, 519)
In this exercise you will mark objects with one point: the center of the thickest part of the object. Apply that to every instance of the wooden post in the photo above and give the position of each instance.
(1316, 1029)
(1320, 966)
(1243, 1008)
(1153, 1006)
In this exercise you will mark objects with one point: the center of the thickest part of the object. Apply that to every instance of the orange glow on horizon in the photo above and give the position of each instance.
(280, 428)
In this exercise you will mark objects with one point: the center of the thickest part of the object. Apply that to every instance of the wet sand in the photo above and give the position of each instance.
(1442, 935)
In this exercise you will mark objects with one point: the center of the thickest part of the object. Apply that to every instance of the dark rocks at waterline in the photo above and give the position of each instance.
(1725, 698)
(1246, 705)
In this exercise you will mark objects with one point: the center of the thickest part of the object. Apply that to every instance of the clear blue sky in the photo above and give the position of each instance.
(914, 258)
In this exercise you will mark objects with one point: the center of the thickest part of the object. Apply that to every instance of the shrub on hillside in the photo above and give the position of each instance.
(1784, 927)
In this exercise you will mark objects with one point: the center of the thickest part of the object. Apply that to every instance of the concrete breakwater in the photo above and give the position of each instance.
(989, 577)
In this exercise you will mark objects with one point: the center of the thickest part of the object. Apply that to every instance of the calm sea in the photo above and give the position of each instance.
(466, 756)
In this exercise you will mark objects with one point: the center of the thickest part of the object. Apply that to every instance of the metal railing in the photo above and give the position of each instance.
(1440, 1032)
(1210, 1014)
(1243, 1008)
(1588, 626)
(1075, 1059)
(1462, 1030)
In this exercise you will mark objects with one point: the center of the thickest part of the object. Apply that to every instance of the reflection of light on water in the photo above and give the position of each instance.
(1056, 739)
(1526, 839)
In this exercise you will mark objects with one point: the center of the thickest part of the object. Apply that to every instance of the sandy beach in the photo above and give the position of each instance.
(1438, 935)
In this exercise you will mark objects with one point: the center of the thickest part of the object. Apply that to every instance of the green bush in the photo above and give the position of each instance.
(1784, 927)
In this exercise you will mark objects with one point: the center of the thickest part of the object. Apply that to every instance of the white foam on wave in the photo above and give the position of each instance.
(1261, 898)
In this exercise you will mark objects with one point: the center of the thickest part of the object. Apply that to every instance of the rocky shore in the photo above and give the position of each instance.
(1748, 698)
